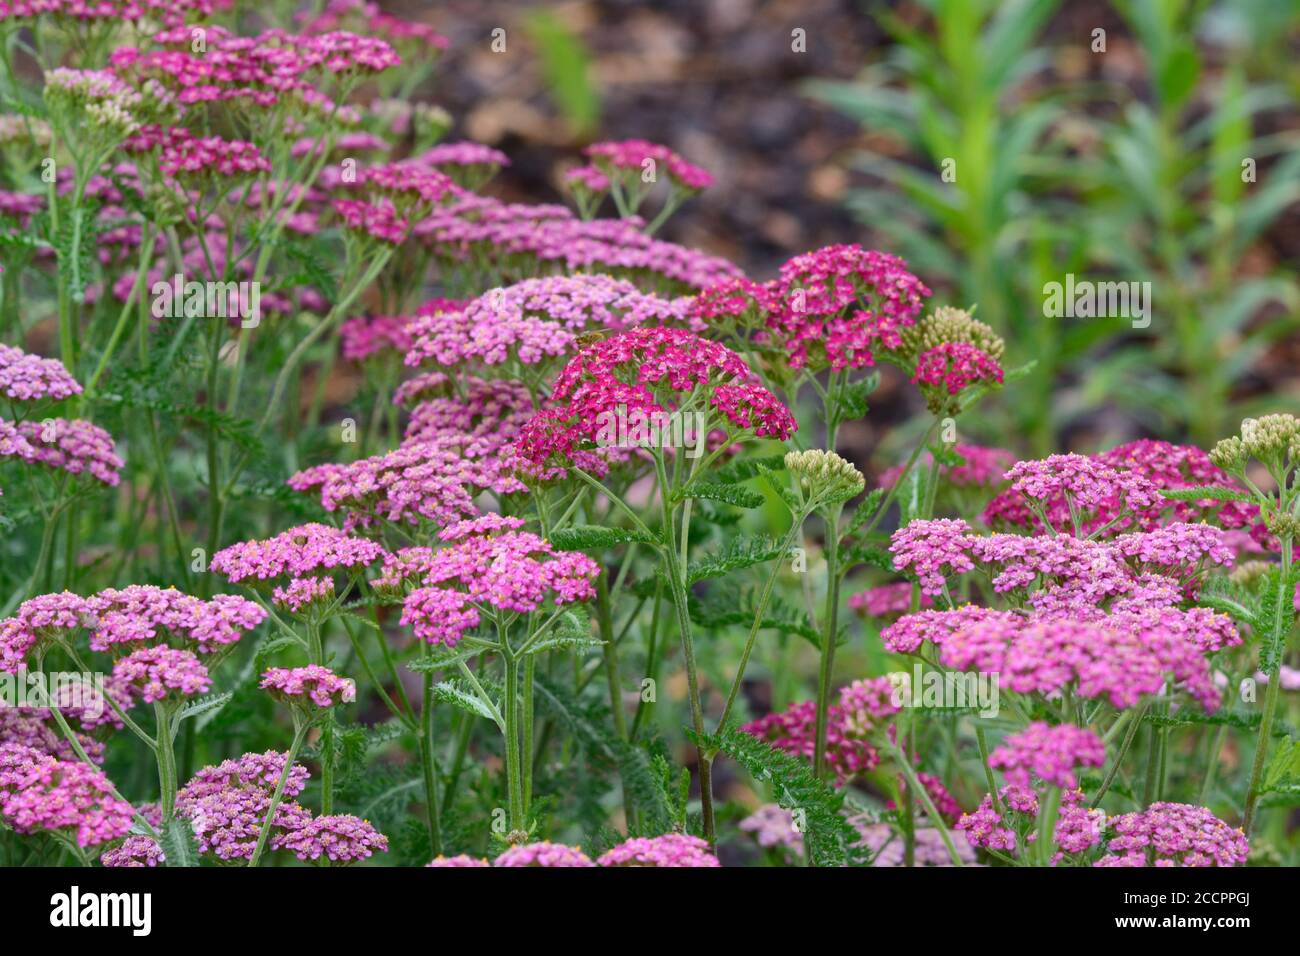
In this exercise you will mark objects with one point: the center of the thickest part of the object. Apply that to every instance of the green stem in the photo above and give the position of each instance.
(166, 752)
(428, 760)
(299, 735)
(831, 618)
(1282, 604)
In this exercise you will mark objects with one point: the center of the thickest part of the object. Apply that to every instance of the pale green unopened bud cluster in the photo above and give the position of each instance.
(1282, 524)
(1248, 572)
(1270, 439)
(948, 324)
(824, 474)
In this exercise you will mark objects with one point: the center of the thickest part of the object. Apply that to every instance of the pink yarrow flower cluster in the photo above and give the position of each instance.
(851, 725)
(306, 550)
(129, 618)
(30, 378)
(544, 853)
(1174, 834)
(835, 306)
(510, 570)
(652, 371)
(671, 849)
(313, 685)
(39, 793)
(153, 674)
(341, 838)
(69, 445)
(1047, 753)
(632, 155)
(534, 320)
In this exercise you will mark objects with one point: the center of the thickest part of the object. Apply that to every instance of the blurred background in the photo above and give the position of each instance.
(1149, 140)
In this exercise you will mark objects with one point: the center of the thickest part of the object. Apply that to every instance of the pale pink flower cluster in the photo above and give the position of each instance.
(69, 445)
(129, 617)
(153, 674)
(534, 320)
(1116, 492)
(520, 240)
(544, 853)
(30, 378)
(40, 793)
(886, 600)
(1174, 834)
(671, 849)
(301, 551)
(1097, 659)
(510, 570)
(419, 481)
(464, 153)
(304, 593)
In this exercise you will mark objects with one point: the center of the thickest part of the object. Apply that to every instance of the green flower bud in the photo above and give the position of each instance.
(948, 324)
(824, 476)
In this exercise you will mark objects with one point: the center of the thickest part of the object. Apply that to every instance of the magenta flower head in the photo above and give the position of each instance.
(342, 838)
(1048, 753)
(852, 725)
(154, 674)
(835, 307)
(947, 370)
(671, 849)
(544, 853)
(313, 686)
(651, 373)
(509, 570)
(642, 159)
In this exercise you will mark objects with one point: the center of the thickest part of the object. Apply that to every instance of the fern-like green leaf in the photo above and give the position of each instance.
(178, 844)
(829, 838)
(588, 537)
(737, 495)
